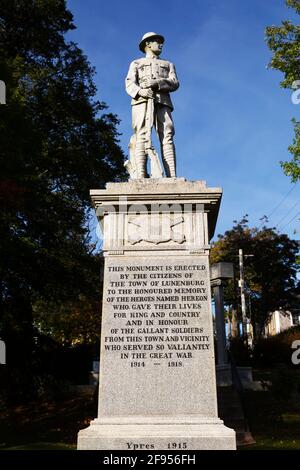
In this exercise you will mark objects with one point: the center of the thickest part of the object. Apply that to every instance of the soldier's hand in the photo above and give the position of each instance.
(146, 93)
(149, 83)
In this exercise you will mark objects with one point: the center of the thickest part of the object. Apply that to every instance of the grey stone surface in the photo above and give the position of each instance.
(149, 82)
(156, 337)
(157, 434)
(195, 201)
(157, 369)
(221, 271)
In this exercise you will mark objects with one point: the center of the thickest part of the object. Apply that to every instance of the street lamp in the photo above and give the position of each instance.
(242, 287)
(218, 273)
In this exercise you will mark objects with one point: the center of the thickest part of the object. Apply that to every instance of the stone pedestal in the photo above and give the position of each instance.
(157, 370)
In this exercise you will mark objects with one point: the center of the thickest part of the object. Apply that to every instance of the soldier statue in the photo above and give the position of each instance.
(149, 82)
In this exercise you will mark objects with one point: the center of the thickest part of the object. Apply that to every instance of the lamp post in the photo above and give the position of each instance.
(219, 272)
(242, 287)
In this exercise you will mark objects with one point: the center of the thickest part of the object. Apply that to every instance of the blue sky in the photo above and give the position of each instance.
(232, 120)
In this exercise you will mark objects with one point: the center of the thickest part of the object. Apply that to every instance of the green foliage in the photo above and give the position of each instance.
(49, 388)
(56, 144)
(270, 274)
(292, 168)
(284, 384)
(284, 42)
(71, 323)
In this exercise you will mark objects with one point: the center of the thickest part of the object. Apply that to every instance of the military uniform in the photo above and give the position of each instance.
(165, 75)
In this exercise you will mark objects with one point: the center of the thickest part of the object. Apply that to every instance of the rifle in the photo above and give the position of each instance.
(155, 165)
(130, 164)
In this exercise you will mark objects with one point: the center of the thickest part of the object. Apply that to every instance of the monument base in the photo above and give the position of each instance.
(157, 381)
(157, 434)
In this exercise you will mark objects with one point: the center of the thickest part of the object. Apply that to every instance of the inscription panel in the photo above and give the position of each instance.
(157, 352)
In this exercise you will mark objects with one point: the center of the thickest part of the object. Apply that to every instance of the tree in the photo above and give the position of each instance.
(284, 42)
(55, 146)
(76, 321)
(270, 274)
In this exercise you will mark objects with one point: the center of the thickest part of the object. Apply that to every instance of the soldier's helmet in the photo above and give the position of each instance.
(149, 36)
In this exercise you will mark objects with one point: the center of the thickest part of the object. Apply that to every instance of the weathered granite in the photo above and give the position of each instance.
(157, 369)
(157, 433)
(118, 201)
(149, 82)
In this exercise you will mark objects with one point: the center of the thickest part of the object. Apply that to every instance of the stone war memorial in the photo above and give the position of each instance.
(157, 385)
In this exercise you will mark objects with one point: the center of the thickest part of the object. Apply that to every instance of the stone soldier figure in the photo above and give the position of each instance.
(149, 82)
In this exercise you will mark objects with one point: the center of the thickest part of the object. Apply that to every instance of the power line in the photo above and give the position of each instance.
(288, 213)
(279, 204)
(298, 213)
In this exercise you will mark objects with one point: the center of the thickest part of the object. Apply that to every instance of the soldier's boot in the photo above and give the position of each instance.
(169, 160)
(140, 160)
